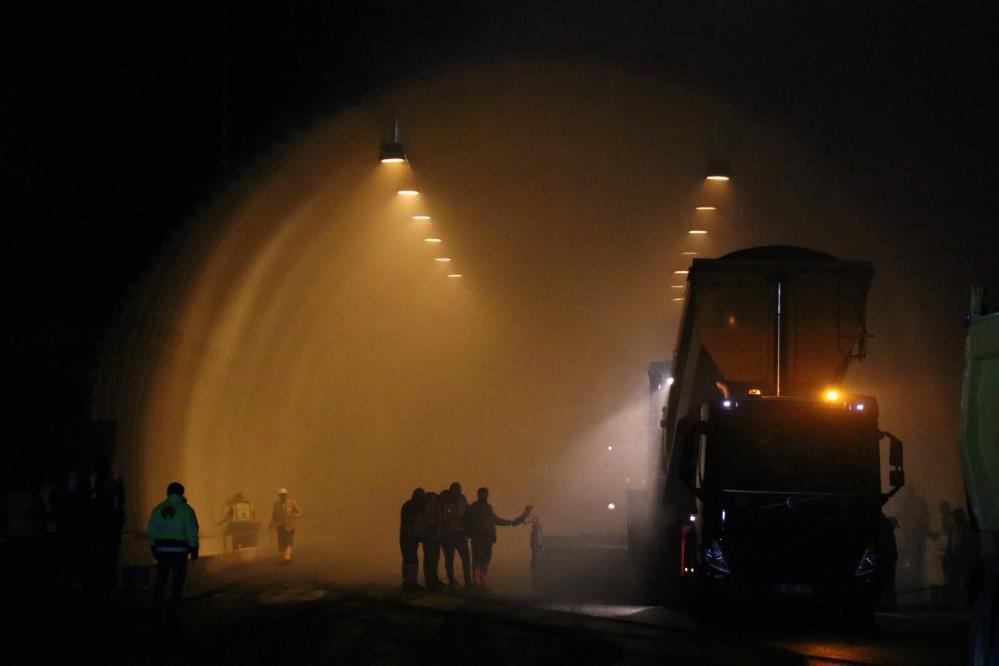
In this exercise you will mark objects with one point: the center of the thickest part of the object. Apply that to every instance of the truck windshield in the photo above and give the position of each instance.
(793, 447)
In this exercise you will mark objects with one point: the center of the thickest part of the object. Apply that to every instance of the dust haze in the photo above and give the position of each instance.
(300, 333)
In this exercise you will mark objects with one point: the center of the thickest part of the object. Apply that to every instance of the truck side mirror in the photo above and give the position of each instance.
(895, 452)
(896, 478)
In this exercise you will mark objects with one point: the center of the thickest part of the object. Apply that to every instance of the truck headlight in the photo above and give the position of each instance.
(714, 558)
(868, 563)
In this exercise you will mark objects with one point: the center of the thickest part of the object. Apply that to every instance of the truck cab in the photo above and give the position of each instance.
(787, 500)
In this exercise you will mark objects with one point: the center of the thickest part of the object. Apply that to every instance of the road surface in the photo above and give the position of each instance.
(268, 614)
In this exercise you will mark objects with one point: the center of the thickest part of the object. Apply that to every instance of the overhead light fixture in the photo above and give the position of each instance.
(409, 193)
(421, 218)
(700, 232)
(432, 240)
(718, 170)
(677, 300)
(681, 272)
(706, 208)
(678, 286)
(392, 152)
(688, 254)
(454, 275)
(443, 259)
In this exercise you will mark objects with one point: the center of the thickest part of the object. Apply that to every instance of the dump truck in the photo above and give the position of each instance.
(979, 446)
(769, 481)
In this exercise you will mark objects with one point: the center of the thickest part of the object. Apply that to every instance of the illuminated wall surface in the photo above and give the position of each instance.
(299, 332)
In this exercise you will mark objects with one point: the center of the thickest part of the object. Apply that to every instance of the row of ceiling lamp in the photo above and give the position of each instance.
(717, 171)
(393, 152)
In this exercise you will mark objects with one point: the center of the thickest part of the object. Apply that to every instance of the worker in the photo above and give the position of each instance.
(962, 549)
(888, 560)
(173, 537)
(241, 522)
(412, 527)
(537, 549)
(453, 536)
(283, 518)
(481, 522)
(106, 518)
(432, 541)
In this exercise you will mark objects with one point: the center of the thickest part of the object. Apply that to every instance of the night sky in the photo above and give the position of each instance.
(118, 124)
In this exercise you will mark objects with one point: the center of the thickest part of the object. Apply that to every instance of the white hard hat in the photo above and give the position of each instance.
(283, 491)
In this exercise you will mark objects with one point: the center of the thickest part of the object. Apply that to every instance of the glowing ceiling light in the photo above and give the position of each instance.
(688, 254)
(706, 208)
(697, 231)
(421, 218)
(611, 506)
(409, 193)
(718, 170)
(443, 259)
(677, 299)
(678, 286)
(432, 240)
(387, 153)
(610, 448)
(454, 275)
(681, 272)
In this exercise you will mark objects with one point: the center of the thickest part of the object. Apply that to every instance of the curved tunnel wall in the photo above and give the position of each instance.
(300, 334)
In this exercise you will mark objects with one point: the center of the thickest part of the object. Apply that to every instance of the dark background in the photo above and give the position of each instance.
(118, 122)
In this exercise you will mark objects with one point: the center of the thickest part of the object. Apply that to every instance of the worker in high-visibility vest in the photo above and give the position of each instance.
(241, 522)
(284, 516)
(173, 537)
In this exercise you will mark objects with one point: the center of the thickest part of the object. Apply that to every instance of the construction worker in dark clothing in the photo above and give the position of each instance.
(963, 546)
(284, 517)
(432, 541)
(481, 522)
(453, 536)
(887, 560)
(412, 528)
(173, 536)
(105, 521)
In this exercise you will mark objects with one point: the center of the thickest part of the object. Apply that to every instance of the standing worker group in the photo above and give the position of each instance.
(173, 537)
(447, 521)
(286, 513)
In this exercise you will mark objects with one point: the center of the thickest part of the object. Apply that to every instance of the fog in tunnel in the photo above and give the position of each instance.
(300, 333)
